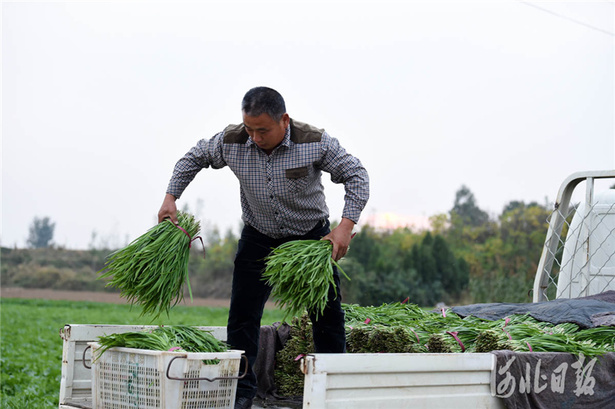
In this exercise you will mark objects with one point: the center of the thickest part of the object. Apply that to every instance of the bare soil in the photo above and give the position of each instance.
(114, 298)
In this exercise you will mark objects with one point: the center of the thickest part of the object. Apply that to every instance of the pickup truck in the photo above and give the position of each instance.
(586, 266)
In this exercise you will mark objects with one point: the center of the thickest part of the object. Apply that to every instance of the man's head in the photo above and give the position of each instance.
(263, 100)
(264, 117)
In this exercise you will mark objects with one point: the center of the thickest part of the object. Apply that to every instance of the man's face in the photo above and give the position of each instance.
(264, 131)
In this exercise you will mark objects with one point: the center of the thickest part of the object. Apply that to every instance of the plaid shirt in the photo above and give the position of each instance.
(281, 194)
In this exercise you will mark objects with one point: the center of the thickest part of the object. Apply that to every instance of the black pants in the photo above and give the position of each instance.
(250, 292)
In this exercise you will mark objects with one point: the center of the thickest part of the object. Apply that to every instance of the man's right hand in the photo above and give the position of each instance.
(168, 209)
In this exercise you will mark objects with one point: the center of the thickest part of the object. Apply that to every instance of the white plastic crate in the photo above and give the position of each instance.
(127, 378)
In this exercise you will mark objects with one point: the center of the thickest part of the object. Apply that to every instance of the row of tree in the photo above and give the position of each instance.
(393, 266)
(502, 252)
(467, 256)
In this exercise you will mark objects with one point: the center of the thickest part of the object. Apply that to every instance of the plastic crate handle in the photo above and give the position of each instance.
(84, 351)
(245, 359)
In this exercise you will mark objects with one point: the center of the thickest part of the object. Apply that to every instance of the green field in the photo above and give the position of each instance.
(31, 347)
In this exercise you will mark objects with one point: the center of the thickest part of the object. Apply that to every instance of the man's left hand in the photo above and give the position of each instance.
(340, 238)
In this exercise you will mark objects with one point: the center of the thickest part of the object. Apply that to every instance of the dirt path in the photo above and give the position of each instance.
(46, 294)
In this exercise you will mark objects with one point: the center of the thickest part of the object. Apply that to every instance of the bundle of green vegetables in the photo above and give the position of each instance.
(382, 338)
(374, 329)
(386, 314)
(151, 271)
(289, 379)
(300, 273)
(181, 338)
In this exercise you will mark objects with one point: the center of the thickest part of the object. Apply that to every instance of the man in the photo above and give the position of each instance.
(278, 162)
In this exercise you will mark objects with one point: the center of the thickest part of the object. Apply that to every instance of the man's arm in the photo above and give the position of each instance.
(206, 153)
(345, 168)
(340, 238)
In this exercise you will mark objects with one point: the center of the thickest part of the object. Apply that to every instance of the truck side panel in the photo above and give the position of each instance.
(399, 381)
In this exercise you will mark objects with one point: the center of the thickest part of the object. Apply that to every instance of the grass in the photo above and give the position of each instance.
(31, 347)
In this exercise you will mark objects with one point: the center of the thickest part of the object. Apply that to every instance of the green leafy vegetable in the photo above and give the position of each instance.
(165, 338)
(300, 273)
(370, 329)
(152, 270)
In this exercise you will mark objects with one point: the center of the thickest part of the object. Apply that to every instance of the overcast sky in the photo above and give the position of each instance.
(99, 100)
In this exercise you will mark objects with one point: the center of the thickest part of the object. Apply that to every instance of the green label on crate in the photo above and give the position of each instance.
(132, 384)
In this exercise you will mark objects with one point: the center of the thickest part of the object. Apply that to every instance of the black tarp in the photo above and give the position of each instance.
(587, 312)
(272, 339)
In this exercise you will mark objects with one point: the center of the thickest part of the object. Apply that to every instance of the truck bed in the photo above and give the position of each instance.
(331, 380)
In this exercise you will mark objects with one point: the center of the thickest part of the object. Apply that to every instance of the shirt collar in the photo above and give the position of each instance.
(285, 141)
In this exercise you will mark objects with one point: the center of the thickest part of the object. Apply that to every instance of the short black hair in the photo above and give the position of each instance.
(263, 100)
